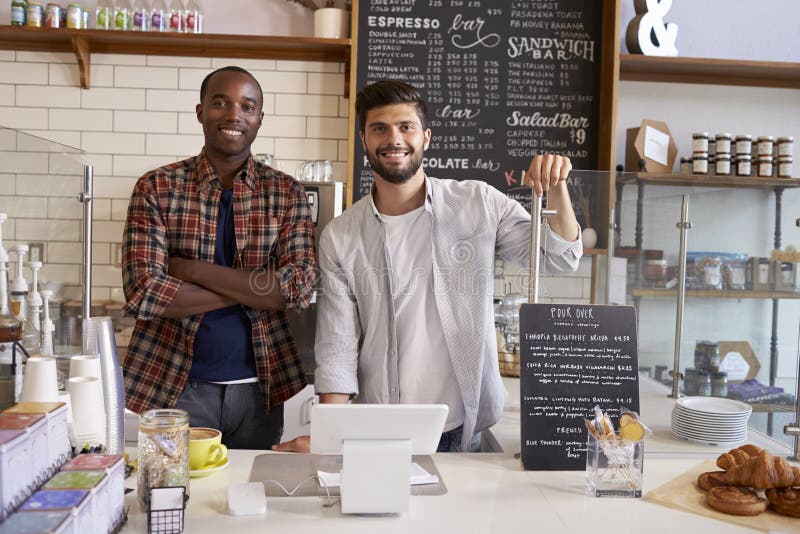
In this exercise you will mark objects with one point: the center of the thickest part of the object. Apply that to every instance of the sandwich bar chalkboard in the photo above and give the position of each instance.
(505, 80)
(572, 358)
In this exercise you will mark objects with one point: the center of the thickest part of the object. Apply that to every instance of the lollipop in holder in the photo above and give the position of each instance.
(614, 460)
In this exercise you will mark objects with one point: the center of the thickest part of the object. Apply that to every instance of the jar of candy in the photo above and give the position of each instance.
(163, 451)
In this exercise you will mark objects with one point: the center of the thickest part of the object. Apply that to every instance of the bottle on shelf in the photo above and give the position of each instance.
(194, 17)
(141, 16)
(18, 10)
(104, 15)
(31, 336)
(177, 16)
(123, 19)
(159, 16)
(47, 324)
(19, 286)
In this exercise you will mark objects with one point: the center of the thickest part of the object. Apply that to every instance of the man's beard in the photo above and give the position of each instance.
(396, 175)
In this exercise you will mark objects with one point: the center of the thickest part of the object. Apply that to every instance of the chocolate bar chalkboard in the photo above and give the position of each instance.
(572, 358)
(505, 80)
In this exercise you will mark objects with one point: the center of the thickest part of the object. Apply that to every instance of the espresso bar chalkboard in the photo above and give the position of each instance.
(572, 358)
(504, 80)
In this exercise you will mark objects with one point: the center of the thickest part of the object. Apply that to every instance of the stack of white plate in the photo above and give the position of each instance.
(711, 420)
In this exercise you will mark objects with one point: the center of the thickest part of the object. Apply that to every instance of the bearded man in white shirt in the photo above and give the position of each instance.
(406, 310)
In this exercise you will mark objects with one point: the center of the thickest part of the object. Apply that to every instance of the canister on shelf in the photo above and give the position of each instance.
(723, 165)
(34, 15)
(700, 142)
(765, 166)
(719, 384)
(785, 146)
(723, 143)
(686, 165)
(700, 163)
(18, 12)
(52, 18)
(765, 146)
(712, 163)
(743, 165)
(703, 383)
(690, 381)
(785, 167)
(744, 144)
(74, 16)
(706, 356)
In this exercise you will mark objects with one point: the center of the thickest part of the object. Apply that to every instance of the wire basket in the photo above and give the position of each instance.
(166, 520)
(509, 364)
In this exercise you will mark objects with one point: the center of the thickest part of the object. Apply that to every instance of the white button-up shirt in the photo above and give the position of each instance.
(356, 339)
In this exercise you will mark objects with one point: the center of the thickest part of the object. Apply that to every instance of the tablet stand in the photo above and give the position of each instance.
(375, 476)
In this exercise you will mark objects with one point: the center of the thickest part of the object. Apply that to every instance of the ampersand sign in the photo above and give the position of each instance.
(647, 33)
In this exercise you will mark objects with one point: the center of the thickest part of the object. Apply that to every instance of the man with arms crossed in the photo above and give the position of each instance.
(406, 312)
(216, 248)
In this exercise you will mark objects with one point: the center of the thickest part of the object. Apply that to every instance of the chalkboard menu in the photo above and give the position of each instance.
(572, 358)
(505, 80)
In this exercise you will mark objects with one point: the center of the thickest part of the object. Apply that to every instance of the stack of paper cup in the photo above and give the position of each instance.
(84, 365)
(39, 383)
(88, 413)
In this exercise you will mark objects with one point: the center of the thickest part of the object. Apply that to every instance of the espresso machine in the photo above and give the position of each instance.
(326, 200)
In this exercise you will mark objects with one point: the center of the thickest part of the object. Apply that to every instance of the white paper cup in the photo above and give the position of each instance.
(84, 365)
(39, 383)
(88, 412)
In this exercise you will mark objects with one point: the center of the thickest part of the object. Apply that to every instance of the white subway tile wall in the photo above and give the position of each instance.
(138, 115)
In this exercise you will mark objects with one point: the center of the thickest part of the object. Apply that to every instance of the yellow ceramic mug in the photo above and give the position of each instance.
(206, 450)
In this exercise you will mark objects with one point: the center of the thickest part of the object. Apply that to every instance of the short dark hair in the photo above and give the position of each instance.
(386, 92)
(231, 68)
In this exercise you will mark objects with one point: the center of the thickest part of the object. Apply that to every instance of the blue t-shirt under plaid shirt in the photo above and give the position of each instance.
(223, 347)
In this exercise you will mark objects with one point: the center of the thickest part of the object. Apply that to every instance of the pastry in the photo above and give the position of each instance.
(785, 501)
(762, 472)
(735, 501)
(737, 456)
(712, 479)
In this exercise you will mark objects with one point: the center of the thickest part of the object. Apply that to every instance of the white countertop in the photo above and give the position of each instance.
(486, 493)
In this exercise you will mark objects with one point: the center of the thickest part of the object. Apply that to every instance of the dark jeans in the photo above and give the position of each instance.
(451, 441)
(237, 410)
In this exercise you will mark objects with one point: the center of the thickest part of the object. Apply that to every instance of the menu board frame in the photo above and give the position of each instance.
(608, 59)
(573, 357)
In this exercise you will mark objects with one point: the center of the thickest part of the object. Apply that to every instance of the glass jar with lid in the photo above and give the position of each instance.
(744, 144)
(764, 166)
(163, 451)
(785, 146)
(785, 166)
(700, 142)
(700, 163)
(723, 143)
(744, 165)
(719, 384)
(690, 381)
(723, 165)
(703, 383)
(706, 356)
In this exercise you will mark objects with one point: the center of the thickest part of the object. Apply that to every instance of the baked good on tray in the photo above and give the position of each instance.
(736, 501)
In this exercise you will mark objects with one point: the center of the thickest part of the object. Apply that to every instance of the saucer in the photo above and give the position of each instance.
(196, 473)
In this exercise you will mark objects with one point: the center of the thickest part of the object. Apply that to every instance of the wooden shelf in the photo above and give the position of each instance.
(695, 180)
(636, 67)
(85, 42)
(715, 294)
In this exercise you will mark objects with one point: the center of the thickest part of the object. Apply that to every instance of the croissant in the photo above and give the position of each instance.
(762, 472)
(737, 456)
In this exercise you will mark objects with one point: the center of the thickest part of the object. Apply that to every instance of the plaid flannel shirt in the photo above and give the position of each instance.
(173, 211)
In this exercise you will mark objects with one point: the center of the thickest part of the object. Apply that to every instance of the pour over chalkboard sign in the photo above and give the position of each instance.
(572, 358)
